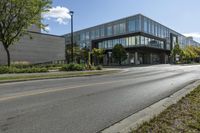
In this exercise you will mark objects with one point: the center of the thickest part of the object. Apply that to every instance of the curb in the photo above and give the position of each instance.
(106, 72)
(148, 113)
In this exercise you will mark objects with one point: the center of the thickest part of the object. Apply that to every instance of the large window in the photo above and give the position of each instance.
(102, 32)
(122, 28)
(145, 25)
(152, 28)
(97, 33)
(132, 41)
(116, 29)
(83, 36)
(92, 34)
(109, 30)
(132, 25)
(119, 28)
(142, 40)
(87, 35)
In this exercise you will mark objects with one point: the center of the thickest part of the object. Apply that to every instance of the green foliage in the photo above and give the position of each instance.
(85, 54)
(17, 16)
(72, 67)
(99, 67)
(190, 53)
(176, 50)
(90, 67)
(76, 53)
(79, 67)
(98, 54)
(119, 53)
(5, 69)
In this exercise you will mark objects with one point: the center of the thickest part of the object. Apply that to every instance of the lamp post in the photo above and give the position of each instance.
(72, 37)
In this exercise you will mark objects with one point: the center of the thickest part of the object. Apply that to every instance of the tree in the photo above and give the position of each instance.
(190, 53)
(119, 53)
(98, 54)
(76, 53)
(84, 54)
(176, 51)
(17, 16)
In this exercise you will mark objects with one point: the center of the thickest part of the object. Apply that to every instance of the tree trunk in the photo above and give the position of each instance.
(8, 56)
(120, 62)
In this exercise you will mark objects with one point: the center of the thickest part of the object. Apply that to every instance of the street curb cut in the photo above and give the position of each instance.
(148, 113)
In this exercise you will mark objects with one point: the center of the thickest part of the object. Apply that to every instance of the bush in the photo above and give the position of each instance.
(5, 69)
(72, 67)
(99, 67)
(90, 67)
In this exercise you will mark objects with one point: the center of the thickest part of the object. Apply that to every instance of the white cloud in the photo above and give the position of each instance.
(46, 29)
(195, 35)
(59, 14)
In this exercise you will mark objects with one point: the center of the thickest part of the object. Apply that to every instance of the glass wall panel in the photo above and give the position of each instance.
(92, 34)
(152, 28)
(116, 29)
(97, 33)
(102, 32)
(132, 25)
(132, 41)
(156, 30)
(137, 25)
(82, 36)
(109, 30)
(145, 25)
(122, 28)
(142, 40)
(87, 35)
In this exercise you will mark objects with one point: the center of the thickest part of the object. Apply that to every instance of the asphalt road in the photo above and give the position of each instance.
(87, 104)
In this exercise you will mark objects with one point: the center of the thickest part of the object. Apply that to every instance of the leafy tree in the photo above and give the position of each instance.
(17, 16)
(84, 54)
(119, 53)
(190, 53)
(176, 51)
(76, 53)
(98, 54)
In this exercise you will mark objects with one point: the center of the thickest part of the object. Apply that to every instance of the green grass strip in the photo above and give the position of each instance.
(15, 78)
(183, 117)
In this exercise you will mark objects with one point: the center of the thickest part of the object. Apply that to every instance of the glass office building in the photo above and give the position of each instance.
(146, 41)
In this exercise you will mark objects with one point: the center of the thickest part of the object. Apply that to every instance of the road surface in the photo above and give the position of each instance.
(87, 104)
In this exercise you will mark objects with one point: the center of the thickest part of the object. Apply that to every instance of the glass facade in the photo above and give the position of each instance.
(133, 24)
(109, 31)
(132, 42)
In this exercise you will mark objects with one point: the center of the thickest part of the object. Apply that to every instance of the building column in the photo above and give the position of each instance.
(136, 58)
(166, 58)
(105, 59)
(128, 58)
(151, 58)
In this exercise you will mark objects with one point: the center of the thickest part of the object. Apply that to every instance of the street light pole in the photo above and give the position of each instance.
(72, 37)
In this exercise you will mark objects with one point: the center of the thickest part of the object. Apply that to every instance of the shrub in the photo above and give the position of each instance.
(5, 69)
(72, 67)
(90, 67)
(99, 67)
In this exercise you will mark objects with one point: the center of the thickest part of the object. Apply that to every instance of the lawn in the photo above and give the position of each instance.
(183, 117)
(38, 76)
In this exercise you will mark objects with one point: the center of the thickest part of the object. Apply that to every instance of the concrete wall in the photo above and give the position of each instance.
(41, 48)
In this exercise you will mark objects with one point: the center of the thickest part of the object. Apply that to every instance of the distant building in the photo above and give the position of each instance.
(42, 48)
(146, 41)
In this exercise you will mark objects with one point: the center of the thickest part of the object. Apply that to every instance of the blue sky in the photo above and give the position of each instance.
(180, 15)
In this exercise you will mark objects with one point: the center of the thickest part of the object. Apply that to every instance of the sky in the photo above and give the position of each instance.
(180, 15)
